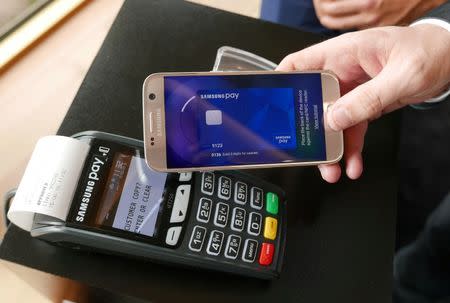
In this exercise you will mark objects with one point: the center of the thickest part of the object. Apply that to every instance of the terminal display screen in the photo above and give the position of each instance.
(118, 191)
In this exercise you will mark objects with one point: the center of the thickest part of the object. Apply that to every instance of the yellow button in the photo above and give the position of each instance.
(270, 228)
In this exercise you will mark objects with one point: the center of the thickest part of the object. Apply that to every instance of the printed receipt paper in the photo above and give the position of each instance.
(50, 180)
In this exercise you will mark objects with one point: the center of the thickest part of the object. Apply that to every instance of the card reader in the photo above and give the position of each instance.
(223, 221)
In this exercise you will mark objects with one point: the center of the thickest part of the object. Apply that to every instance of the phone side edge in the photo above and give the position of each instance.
(334, 141)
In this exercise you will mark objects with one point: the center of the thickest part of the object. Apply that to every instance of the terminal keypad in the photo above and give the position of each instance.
(235, 220)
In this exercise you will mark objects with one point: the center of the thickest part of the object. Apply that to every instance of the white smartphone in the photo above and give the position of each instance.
(238, 120)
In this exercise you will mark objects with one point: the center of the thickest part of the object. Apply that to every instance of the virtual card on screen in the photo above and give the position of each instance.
(247, 118)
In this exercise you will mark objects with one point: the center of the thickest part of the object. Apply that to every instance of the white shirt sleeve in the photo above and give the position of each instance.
(433, 21)
(444, 24)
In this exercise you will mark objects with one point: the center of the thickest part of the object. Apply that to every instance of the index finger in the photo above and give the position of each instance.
(309, 58)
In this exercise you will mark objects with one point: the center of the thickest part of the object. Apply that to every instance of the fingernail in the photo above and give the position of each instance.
(340, 118)
(323, 170)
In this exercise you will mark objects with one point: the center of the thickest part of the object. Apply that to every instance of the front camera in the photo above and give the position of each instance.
(152, 96)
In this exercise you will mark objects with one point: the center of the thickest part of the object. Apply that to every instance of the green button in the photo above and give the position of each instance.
(272, 203)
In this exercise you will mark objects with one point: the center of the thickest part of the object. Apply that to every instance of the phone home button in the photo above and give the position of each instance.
(150, 122)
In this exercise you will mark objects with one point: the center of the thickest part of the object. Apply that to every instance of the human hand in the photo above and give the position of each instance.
(379, 70)
(360, 14)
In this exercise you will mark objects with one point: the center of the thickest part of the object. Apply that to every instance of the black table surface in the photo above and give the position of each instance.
(340, 237)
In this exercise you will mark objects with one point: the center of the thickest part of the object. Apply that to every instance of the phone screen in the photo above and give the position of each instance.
(243, 119)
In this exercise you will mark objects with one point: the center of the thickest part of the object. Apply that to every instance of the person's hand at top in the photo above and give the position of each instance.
(360, 14)
(379, 70)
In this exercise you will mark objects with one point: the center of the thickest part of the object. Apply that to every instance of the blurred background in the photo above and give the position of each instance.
(13, 10)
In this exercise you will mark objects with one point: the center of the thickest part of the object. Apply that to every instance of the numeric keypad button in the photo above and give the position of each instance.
(215, 243)
(197, 238)
(204, 210)
(224, 188)
(240, 193)
(238, 219)
(232, 248)
(221, 214)
(250, 250)
(254, 224)
(256, 198)
(208, 183)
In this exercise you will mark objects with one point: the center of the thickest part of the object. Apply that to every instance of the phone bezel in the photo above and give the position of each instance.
(154, 122)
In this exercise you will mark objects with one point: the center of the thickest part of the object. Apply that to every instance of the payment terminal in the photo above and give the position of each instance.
(223, 221)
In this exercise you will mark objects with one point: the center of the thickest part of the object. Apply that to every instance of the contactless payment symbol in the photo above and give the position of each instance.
(213, 117)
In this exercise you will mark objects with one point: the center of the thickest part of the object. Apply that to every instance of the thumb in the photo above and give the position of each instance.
(365, 102)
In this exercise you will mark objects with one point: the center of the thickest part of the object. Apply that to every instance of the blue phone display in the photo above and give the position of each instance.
(243, 119)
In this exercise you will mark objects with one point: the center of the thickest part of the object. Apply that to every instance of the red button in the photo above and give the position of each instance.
(266, 256)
